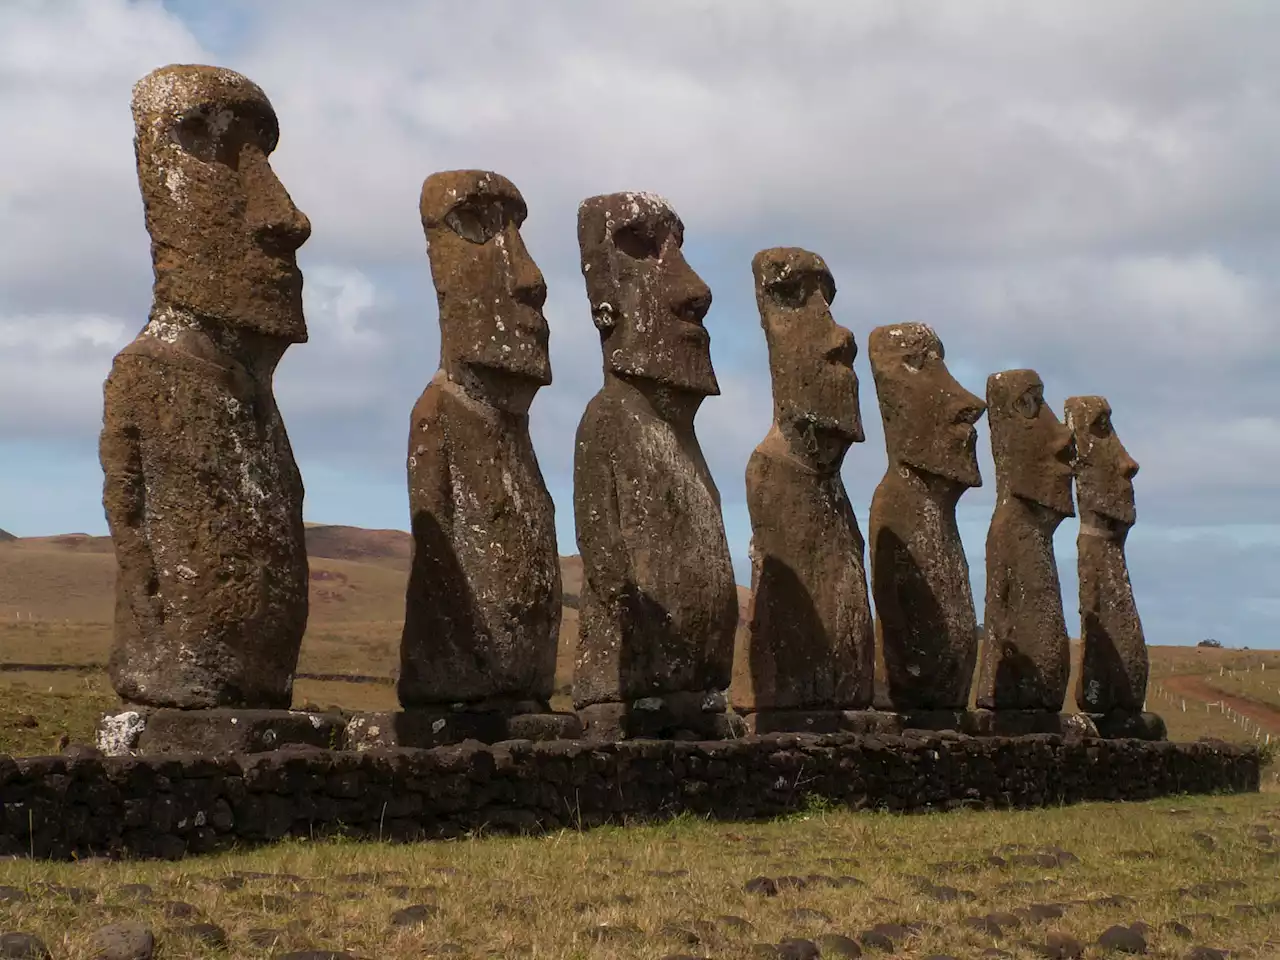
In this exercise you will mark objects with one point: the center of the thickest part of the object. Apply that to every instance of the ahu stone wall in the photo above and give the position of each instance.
(59, 807)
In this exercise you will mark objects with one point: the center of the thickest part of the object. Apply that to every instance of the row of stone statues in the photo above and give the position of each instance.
(204, 499)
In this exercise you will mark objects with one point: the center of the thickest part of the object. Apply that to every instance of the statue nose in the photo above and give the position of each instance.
(272, 215)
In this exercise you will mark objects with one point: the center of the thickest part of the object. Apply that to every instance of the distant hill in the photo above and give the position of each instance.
(391, 548)
(356, 575)
(6, 536)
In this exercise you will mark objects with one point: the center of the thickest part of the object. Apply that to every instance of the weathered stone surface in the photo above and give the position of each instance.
(221, 731)
(680, 716)
(421, 728)
(201, 491)
(1113, 671)
(22, 946)
(765, 721)
(926, 625)
(1142, 726)
(482, 614)
(162, 807)
(659, 604)
(1025, 657)
(809, 641)
(122, 941)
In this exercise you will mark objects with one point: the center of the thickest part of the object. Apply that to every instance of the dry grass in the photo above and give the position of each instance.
(656, 889)
(1258, 686)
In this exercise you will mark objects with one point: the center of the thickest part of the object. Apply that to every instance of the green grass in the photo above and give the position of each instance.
(548, 897)
(63, 705)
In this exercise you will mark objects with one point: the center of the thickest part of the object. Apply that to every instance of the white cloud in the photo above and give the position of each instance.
(1087, 189)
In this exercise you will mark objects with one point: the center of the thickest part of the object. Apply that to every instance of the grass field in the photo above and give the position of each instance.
(1207, 864)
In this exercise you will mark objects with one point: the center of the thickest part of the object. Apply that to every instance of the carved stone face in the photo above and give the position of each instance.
(1032, 449)
(1104, 469)
(646, 301)
(928, 417)
(224, 232)
(810, 355)
(489, 289)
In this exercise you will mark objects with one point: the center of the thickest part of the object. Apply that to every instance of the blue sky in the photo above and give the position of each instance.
(1088, 190)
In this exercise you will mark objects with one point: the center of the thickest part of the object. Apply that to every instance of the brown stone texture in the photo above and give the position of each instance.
(659, 605)
(1113, 670)
(482, 612)
(926, 625)
(201, 491)
(809, 641)
(167, 807)
(1025, 657)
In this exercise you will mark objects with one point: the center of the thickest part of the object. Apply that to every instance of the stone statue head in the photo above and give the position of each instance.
(646, 301)
(1032, 449)
(489, 289)
(810, 355)
(1104, 470)
(224, 232)
(928, 417)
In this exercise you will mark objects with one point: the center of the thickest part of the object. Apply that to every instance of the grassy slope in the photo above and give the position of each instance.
(659, 888)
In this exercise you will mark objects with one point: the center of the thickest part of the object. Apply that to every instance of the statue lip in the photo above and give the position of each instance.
(695, 331)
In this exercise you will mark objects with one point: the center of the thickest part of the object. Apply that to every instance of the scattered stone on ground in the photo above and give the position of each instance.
(839, 946)
(123, 941)
(1123, 939)
(209, 933)
(22, 946)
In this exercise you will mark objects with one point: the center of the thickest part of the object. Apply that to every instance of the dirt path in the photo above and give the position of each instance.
(1194, 688)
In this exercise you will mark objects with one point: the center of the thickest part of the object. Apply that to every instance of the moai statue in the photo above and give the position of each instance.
(202, 494)
(482, 614)
(659, 604)
(1113, 671)
(1025, 658)
(809, 649)
(927, 627)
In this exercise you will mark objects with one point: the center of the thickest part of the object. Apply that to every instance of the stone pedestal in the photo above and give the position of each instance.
(673, 716)
(1121, 724)
(1000, 723)
(424, 728)
(148, 731)
(822, 721)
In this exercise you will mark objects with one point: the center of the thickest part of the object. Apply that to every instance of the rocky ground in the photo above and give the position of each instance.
(1195, 878)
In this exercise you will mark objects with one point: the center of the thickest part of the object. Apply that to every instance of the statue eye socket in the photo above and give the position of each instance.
(195, 136)
(1101, 427)
(789, 293)
(476, 223)
(637, 242)
(1028, 404)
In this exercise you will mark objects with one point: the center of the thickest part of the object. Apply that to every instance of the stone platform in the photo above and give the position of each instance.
(142, 731)
(672, 716)
(425, 728)
(146, 731)
(975, 723)
(174, 805)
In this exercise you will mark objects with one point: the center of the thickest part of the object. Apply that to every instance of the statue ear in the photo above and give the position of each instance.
(603, 316)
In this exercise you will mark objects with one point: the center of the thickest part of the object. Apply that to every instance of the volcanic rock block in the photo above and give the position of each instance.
(926, 625)
(202, 494)
(425, 728)
(659, 605)
(810, 642)
(1113, 673)
(150, 731)
(482, 612)
(1026, 658)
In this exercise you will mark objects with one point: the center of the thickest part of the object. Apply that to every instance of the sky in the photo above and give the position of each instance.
(1089, 190)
